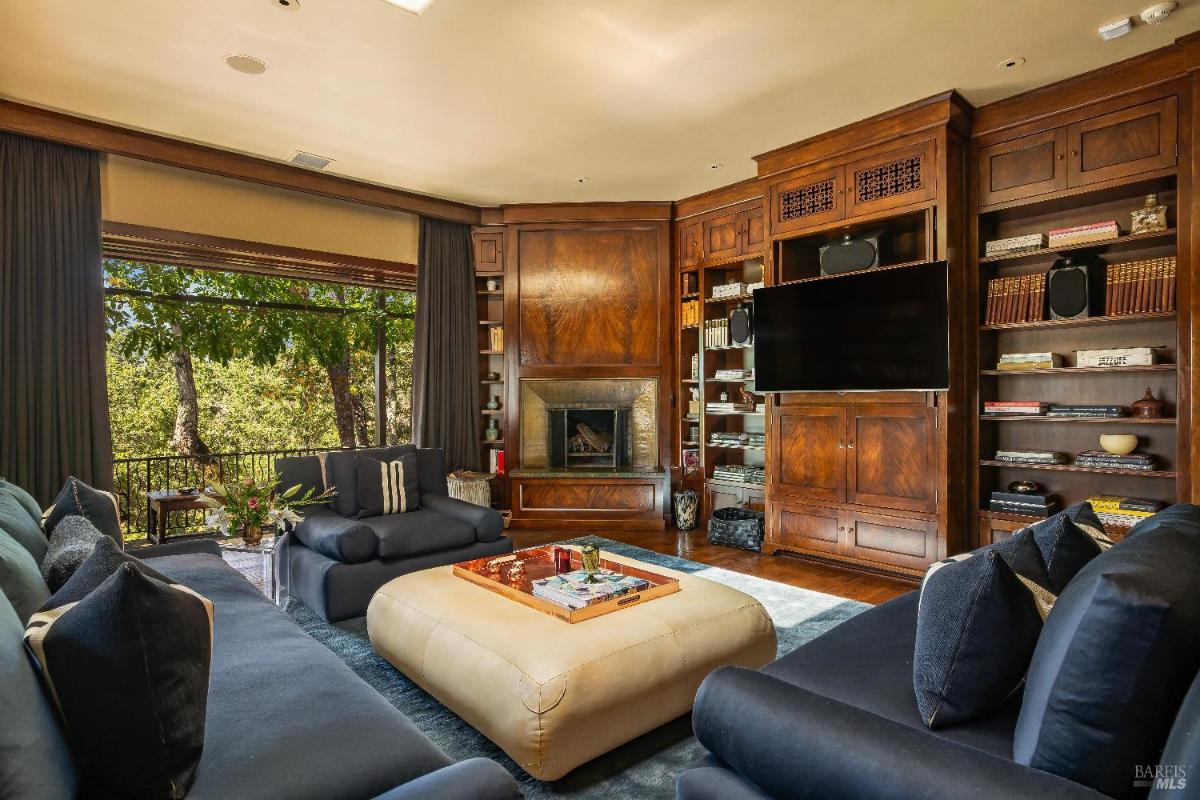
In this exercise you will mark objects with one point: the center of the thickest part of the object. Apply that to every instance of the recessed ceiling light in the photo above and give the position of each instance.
(286, 5)
(310, 160)
(1010, 63)
(248, 65)
(411, 6)
(582, 179)
(715, 165)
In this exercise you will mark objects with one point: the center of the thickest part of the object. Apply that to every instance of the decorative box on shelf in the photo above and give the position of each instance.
(1015, 244)
(728, 290)
(1084, 234)
(1117, 357)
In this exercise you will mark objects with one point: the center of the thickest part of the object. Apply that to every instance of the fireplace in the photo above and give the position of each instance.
(583, 435)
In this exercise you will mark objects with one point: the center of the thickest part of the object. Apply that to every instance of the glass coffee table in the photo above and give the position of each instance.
(275, 577)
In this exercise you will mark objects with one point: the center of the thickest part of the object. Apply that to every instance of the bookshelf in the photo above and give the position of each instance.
(492, 370)
(1070, 383)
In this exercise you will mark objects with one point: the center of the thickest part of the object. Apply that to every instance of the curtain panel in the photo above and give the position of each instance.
(445, 371)
(53, 388)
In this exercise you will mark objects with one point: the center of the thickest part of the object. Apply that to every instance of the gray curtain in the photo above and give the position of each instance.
(446, 348)
(53, 389)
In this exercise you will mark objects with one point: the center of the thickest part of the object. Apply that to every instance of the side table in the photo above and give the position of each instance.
(276, 566)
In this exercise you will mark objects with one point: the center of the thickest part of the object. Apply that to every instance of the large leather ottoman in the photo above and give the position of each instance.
(553, 694)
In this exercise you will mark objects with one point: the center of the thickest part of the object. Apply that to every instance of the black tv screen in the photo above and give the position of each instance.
(871, 331)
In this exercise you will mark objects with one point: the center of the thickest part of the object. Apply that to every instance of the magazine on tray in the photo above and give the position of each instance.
(572, 590)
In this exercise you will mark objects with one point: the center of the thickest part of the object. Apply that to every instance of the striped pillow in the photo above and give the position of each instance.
(387, 487)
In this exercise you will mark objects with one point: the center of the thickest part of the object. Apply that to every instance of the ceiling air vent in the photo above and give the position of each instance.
(310, 160)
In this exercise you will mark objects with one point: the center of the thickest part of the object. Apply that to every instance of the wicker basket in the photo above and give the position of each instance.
(736, 527)
(472, 487)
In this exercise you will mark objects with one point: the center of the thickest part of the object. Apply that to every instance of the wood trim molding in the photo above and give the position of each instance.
(535, 213)
(140, 243)
(68, 129)
(722, 197)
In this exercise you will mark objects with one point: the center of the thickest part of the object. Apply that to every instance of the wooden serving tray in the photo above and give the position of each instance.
(539, 563)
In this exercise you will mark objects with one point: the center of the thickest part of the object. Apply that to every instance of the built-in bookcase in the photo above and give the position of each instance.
(489, 294)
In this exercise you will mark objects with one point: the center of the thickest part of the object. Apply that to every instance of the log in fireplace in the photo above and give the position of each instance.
(586, 435)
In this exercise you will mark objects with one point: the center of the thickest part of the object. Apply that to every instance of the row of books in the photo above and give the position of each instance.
(737, 439)
(1016, 298)
(689, 313)
(496, 337)
(1140, 286)
(1123, 512)
(1032, 504)
(1084, 234)
(716, 333)
(1096, 459)
(1038, 408)
(496, 461)
(740, 473)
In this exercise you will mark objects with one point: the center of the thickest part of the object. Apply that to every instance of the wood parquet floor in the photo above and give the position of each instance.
(692, 545)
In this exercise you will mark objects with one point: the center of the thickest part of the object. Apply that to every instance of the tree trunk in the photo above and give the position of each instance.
(186, 438)
(361, 422)
(343, 403)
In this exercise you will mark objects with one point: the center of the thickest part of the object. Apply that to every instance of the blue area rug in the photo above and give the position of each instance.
(640, 770)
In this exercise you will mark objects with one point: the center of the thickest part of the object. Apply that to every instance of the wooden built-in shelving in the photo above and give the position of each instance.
(1117, 245)
(1052, 371)
(1126, 473)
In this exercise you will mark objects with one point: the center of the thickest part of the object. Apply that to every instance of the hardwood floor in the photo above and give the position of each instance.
(851, 584)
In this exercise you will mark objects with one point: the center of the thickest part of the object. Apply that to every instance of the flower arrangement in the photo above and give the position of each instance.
(247, 505)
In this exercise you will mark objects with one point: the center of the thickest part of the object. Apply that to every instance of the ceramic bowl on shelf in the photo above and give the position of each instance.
(1119, 444)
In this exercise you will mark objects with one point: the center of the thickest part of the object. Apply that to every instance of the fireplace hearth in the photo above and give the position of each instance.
(587, 436)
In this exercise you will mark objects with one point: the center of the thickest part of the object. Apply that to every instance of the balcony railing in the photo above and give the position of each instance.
(134, 477)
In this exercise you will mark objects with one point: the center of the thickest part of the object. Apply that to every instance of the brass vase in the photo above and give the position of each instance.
(252, 534)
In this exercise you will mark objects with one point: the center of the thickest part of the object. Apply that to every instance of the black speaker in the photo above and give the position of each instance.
(1075, 288)
(741, 324)
(850, 254)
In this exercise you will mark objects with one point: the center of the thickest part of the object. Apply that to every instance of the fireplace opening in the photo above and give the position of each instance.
(589, 437)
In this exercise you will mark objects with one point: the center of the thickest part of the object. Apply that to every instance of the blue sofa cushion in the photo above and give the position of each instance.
(418, 532)
(833, 665)
(976, 629)
(285, 716)
(1068, 540)
(487, 522)
(387, 487)
(128, 667)
(1116, 657)
(99, 507)
(26, 530)
(341, 472)
(307, 472)
(20, 579)
(34, 759)
(23, 497)
(431, 470)
(334, 536)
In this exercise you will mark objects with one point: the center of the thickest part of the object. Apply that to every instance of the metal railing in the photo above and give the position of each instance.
(134, 477)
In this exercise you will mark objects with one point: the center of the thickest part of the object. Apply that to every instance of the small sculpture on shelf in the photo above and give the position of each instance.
(494, 403)
(1150, 218)
(1148, 407)
(492, 432)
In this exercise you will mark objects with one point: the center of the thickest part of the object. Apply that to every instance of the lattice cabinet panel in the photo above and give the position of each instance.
(888, 180)
(805, 201)
(808, 201)
(892, 179)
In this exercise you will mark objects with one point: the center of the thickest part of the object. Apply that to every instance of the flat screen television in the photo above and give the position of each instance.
(876, 330)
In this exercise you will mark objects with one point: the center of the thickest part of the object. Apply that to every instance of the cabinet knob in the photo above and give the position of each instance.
(1074, 153)
(851, 445)
(841, 445)
(1061, 156)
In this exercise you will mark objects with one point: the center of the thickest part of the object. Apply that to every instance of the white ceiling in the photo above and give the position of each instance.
(494, 101)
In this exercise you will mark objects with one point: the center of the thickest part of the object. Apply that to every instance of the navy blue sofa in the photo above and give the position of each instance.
(338, 560)
(286, 718)
(836, 719)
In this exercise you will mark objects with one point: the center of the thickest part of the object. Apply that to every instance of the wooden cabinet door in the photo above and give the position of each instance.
(754, 499)
(891, 180)
(753, 227)
(1024, 167)
(891, 453)
(1127, 142)
(690, 251)
(894, 541)
(489, 250)
(793, 526)
(806, 202)
(993, 530)
(717, 496)
(808, 452)
(722, 238)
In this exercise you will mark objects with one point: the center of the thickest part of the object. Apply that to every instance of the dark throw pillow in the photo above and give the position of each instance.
(73, 540)
(1069, 540)
(26, 530)
(1115, 659)
(977, 625)
(96, 506)
(20, 579)
(128, 667)
(387, 487)
(98, 567)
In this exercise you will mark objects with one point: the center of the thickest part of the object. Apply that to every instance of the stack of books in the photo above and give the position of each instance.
(1084, 234)
(734, 375)
(1115, 357)
(726, 408)
(739, 473)
(1031, 456)
(572, 590)
(1031, 505)
(726, 439)
(1029, 408)
(1100, 459)
(1015, 244)
(1123, 512)
(1138, 287)
(496, 338)
(689, 313)
(728, 290)
(1086, 411)
(1029, 361)
(1017, 298)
